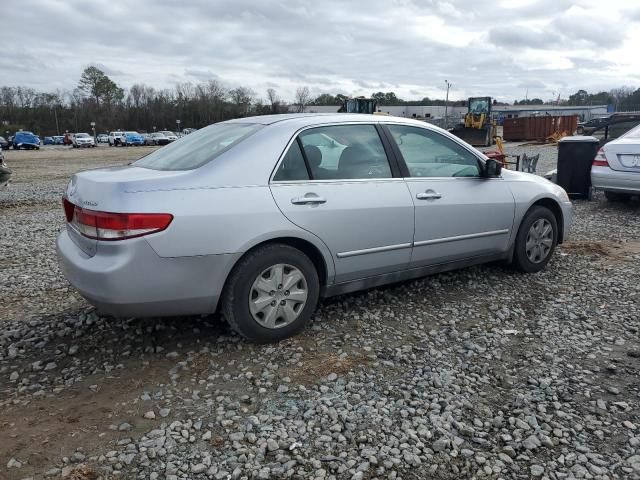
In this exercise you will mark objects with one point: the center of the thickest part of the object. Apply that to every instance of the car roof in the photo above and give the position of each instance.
(322, 118)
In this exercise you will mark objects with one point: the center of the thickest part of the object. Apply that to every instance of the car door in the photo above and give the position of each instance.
(458, 213)
(337, 182)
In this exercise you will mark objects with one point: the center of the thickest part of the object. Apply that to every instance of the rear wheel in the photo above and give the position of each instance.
(617, 197)
(536, 240)
(271, 294)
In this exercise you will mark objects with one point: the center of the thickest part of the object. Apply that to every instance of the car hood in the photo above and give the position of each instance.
(543, 184)
(512, 175)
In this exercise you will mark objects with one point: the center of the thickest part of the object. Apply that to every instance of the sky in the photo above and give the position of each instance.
(506, 49)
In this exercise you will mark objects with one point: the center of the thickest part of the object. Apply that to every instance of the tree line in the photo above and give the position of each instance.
(97, 98)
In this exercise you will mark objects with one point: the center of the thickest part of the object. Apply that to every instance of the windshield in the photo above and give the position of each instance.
(199, 148)
(82, 135)
(167, 133)
(132, 133)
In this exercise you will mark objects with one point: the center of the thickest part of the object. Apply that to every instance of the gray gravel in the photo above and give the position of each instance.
(480, 373)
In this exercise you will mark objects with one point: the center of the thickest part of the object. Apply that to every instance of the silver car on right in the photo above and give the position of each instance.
(616, 167)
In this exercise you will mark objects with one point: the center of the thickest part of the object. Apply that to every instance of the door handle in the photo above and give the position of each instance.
(428, 195)
(308, 199)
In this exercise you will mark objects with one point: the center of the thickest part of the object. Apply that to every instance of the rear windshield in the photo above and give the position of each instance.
(633, 133)
(199, 148)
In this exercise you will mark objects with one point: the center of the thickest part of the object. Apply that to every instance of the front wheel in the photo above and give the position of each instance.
(271, 293)
(536, 240)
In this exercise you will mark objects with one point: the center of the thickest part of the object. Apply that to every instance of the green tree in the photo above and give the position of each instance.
(94, 83)
(326, 99)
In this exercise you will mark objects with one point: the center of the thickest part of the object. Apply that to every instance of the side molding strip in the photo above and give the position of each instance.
(365, 251)
(460, 237)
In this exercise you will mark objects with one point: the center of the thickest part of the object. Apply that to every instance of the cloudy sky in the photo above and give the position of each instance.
(353, 47)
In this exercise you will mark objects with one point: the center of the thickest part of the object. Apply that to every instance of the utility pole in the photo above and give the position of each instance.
(446, 105)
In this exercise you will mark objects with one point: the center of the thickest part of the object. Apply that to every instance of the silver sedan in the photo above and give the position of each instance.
(262, 216)
(616, 168)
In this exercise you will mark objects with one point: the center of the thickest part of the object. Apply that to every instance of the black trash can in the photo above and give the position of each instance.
(575, 156)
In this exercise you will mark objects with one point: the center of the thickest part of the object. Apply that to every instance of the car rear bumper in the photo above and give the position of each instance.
(129, 278)
(605, 178)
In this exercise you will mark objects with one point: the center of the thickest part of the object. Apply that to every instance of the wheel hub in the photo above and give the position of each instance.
(278, 296)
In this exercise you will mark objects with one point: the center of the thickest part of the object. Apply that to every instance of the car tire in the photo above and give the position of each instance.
(534, 245)
(243, 283)
(616, 197)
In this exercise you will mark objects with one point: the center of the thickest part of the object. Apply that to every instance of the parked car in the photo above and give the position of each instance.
(4, 143)
(146, 137)
(263, 215)
(58, 139)
(48, 141)
(159, 138)
(102, 138)
(591, 124)
(132, 139)
(172, 137)
(26, 140)
(187, 131)
(115, 138)
(616, 167)
(82, 140)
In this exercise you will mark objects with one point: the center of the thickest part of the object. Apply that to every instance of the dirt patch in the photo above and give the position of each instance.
(45, 430)
(614, 251)
(322, 364)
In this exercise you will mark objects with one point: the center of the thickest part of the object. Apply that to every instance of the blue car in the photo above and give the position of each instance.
(48, 140)
(132, 138)
(26, 140)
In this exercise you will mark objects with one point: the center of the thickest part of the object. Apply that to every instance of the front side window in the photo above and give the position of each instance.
(430, 154)
(199, 148)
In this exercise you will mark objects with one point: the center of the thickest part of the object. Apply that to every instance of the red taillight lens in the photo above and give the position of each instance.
(600, 160)
(68, 208)
(114, 226)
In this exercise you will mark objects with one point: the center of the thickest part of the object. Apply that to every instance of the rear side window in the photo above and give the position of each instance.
(199, 148)
(292, 166)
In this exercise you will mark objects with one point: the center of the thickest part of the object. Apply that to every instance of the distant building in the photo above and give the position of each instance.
(407, 111)
(585, 113)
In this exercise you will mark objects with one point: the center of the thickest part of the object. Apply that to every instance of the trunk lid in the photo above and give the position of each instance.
(110, 190)
(624, 154)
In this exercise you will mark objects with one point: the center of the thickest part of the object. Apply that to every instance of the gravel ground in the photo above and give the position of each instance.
(479, 373)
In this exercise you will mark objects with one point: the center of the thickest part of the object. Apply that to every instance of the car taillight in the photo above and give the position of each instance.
(600, 160)
(114, 226)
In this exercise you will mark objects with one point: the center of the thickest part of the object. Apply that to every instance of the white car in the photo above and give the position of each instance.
(116, 138)
(616, 168)
(170, 135)
(79, 140)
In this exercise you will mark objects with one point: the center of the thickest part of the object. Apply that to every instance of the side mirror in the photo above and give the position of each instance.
(493, 168)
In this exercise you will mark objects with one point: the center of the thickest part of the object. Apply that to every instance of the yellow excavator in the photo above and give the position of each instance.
(477, 129)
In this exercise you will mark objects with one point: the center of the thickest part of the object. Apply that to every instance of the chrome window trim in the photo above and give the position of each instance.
(365, 251)
(456, 238)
